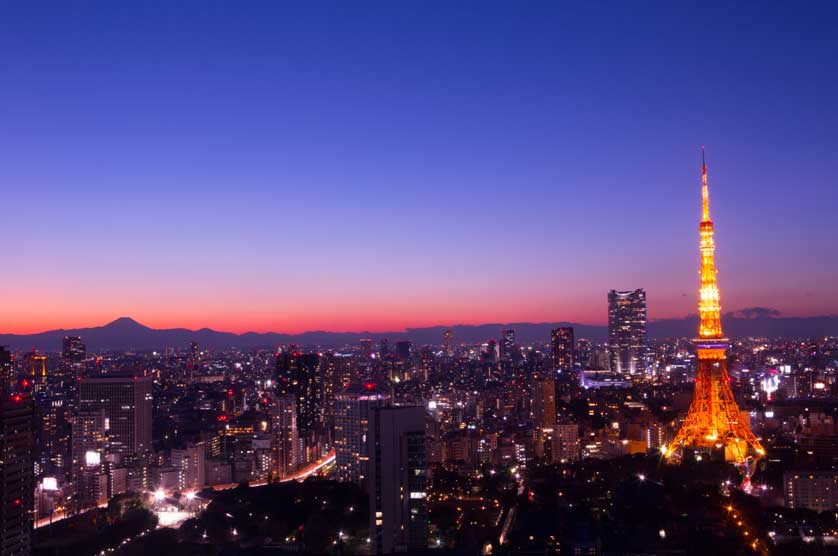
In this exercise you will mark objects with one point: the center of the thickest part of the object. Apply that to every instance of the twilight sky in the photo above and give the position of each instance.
(358, 165)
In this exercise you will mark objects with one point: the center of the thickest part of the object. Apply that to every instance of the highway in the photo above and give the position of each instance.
(300, 475)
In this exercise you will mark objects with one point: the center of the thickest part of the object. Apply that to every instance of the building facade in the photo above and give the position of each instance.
(397, 480)
(627, 339)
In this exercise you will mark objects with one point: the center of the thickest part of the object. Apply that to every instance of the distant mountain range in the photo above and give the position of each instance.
(127, 334)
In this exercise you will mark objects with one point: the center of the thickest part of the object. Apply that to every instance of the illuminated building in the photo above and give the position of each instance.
(298, 374)
(36, 370)
(285, 442)
(507, 344)
(73, 353)
(7, 370)
(52, 433)
(16, 484)
(352, 415)
(544, 402)
(812, 490)
(627, 340)
(566, 446)
(397, 480)
(713, 420)
(448, 342)
(562, 346)
(113, 421)
(190, 462)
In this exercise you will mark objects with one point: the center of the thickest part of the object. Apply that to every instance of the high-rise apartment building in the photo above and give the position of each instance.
(352, 416)
(190, 463)
(566, 445)
(627, 340)
(563, 348)
(285, 442)
(543, 402)
(397, 480)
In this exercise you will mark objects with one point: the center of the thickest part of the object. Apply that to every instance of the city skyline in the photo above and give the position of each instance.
(326, 185)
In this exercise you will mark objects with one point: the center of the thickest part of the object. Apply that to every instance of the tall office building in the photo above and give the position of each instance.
(298, 375)
(352, 416)
(397, 480)
(507, 344)
(114, 416)
(73, 354)
(52, 433)
(563, 348)
(285, 442)
(627, 340)
(16, 464)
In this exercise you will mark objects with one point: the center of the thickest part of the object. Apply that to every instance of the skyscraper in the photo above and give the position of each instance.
(627, 340)
(114, 416)
(284, 443)
(448, 342)
(563, 347)
(298, 375)
(397, 480)
(352, 416)
(507, 344)
(73, 353)
(16, 463)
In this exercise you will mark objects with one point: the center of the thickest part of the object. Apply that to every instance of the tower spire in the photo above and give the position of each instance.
(705, 194)
(708, 302)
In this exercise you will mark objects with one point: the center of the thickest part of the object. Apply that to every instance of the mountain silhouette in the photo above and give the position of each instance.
(126, 334)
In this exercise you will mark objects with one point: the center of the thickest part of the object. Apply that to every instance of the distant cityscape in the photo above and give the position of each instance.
(447, 445)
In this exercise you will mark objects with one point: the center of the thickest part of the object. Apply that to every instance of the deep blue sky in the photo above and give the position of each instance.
(278, 165)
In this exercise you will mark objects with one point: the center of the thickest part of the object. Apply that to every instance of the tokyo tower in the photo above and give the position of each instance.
(714, 421)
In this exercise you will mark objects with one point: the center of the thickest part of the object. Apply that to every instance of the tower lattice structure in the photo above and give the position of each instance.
(714, 421)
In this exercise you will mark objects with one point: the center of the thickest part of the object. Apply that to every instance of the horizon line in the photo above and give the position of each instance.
(407, 329)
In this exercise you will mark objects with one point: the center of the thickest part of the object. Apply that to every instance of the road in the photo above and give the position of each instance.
(300, 475)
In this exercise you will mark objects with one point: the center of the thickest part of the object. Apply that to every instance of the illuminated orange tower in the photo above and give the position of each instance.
(714, 421)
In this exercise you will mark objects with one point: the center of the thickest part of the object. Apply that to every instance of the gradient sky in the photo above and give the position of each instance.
(356, 165)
